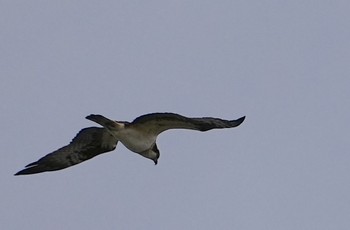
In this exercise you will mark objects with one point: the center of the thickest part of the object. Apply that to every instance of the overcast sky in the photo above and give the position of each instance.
(283, 64)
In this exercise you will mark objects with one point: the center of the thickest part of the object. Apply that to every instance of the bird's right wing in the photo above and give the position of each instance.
(88, 143)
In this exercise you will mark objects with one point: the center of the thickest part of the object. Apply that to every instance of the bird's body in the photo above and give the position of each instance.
(135, 140)
(138, 136)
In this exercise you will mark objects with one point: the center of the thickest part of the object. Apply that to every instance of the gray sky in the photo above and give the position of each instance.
(283, 64)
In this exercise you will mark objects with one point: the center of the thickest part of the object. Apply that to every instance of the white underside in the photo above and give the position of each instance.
(135, 140)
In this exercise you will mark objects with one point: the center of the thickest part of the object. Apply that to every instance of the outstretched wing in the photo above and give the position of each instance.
(88, 143)
(159, 122)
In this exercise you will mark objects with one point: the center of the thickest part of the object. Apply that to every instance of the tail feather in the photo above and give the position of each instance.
(105, 122)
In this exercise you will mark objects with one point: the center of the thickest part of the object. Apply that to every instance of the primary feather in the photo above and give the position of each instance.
(88, 143)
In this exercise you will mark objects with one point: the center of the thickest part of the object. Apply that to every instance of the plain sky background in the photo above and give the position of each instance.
(283, 64)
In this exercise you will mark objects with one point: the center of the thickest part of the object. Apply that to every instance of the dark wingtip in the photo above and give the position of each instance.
(32, 169)
(242, 119)
(22, 172)
(28, 169)
(239, 121)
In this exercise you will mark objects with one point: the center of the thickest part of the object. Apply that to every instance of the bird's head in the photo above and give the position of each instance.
(155, 154)
(152, 154)
(155, 161)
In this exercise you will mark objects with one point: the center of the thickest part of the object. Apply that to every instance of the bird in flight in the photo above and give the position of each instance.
(139, 136)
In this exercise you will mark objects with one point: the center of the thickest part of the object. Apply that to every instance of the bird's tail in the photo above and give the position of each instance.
(104, 121)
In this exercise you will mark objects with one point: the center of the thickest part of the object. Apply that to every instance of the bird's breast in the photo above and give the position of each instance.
(135, 140)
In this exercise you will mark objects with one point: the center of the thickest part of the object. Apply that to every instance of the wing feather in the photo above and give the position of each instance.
(159, 122)
(88, 143)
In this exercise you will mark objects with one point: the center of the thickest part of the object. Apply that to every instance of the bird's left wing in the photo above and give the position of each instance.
(88, 143)
(158, 122)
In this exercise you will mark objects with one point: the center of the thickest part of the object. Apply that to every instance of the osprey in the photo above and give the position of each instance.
(138, 136)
